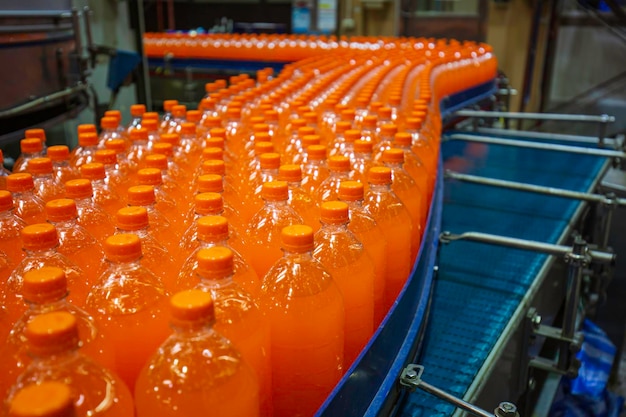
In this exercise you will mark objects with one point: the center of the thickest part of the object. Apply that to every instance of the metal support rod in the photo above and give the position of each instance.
(77, 35)
(556, 117)
(530, 245)
(531, 145)
(539, 189)
(543, 135)
(470, 408)
(42, 100)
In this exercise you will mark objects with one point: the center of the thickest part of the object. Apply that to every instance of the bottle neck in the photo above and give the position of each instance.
(380, 188)
(46, 306)
(216, 283)
(61, 358)
(334, 227)
(47, 252)
(298, 256)
(192, 329)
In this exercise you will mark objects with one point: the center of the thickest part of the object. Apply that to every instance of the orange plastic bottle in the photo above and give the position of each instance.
(315, 170)
(339, 171)
(421, 146)
(90, 215)
(45, 290)
(169, 179)
(214, 231)
(53, 341)
(63, 171)
(115, 179)
(413, 198)
(47, 187)
(171, 205)
(264, 228)
(365, 228)
(299, 199)
(130, 303)
(28, 206)
(362, 159)
(351, 267)
(395, 222)
(214, 183)
(47, 399)
(167, 115)
(414, 165)
(4, 173)
(30, 148)
(196, 371)
(10, 229)
(110, 130)
(238, 317)
(306, 313)
(85, 152)
(103, 193)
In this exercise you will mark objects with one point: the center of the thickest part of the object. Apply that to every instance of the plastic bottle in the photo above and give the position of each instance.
(167, 115)
(44, 290)
(4, 173)
(109, 126)
(351, 267)
(169, 204)
(155, 258)
(385, 139)
(63, 171)
(238, 317)
(189, 143)
(414, 165)
(264, 228)
(315, 169)
(124, 167)
(47, 399)
(103, 193)
(299, 199)
(29, 148)
(213, 183)
(294, 147)
(75, 242)
(196, 371)
(306, 313)
(365, 228)
(413, 198)
(10, 229)
(369, 128)
(53, 341)
(28, 206)
(177, 155)
(395, 222)
(85, 152)
(362, 160)
(136, 113)
(90, 215)
(214, 231)
(130, 302)
(424, 150)
(339, 170)
(117, 115)
(46, 185)
(115, 178)
(337, 146)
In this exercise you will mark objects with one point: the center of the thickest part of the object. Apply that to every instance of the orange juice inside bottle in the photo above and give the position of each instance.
(238, 317)
(10, 229)
(299, 199)
(196, 371)
(28, 206)
(90, 215)
(306, 313)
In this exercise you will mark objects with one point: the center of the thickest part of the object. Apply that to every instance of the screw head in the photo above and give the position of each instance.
(411, 374)
(507, 409)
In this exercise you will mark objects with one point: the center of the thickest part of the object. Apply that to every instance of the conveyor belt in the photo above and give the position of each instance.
(480, 286)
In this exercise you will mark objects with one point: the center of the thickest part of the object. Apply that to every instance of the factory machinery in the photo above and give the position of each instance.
(520, 246)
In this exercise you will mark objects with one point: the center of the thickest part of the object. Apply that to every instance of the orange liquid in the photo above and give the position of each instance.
(406, 190)
(95, 220)
(30, 210)
(305, 325)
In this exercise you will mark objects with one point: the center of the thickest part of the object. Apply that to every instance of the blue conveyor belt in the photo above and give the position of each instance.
(480, 286)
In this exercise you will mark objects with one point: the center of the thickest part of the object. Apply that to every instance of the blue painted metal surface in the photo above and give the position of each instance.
(480, 286)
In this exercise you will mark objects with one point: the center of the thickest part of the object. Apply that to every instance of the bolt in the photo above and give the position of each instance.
(506, 409)
(411, 374)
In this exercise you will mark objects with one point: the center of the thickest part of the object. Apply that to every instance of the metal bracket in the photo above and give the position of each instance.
(411, 379)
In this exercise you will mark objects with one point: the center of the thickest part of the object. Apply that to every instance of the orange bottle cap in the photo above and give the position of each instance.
(192, 306)
(339, 107)
(58, 152)
(36, 133)
(163, 148)
(45, 399)
(256, 120)
(308, 140)
(215, 142)
(39, 166)
(137, 110)
(296, 124)
(212, 122)
(213, 153)
(305, 130)
(31, 145)
(375, 105)
(151, 125)
(132, 218)
(403, 139)
(87, 139)
(116, 114)
(362, 101)
(210, 183)
(275, 191)
(171, 138)
(209, 203)
(389, 129)
(351, 191)
(86, 128)
(234, 112)
(149, 176)
(22, 181)
(297, 238)
(271, 115)
(39, 236)
(348, 115)
(156, 161)
(214, 166)
(194, 116)
(109, 123)
(413, 123)
(6, 200)
(260, 127)
(342, 126)
(393, 156)
(44, 284)
(141, 195)
(263, 147)
(216, 262)
(394, 100)
(316, 152)
(150, 115)
(93, 171)
(352, 135)
(80, 188)
(379, 175)
(363, 146)
(217, 132)
(52, 332)
(339, 163)
(210, 87)
(302, 108)
(139, 133)
(61, 209)
(212, 228)
(105, 156)
(310, 117)
(370, 121)
(262, 137)
(123, 247)
(179, 110)
(188, 128)
(270, 160)
(290, 173)
(334, 212)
